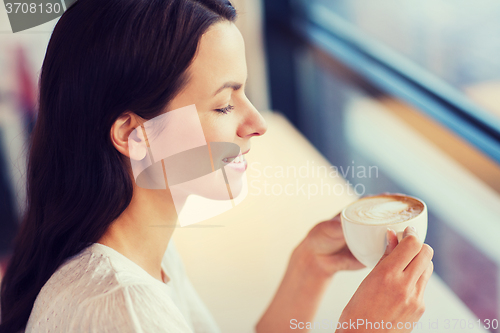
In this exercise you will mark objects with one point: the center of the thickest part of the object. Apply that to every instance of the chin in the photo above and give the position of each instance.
(216, 188)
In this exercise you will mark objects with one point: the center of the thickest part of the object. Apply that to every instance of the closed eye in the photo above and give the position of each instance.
(226, 109)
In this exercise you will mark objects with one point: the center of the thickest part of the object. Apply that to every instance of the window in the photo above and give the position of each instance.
(412, 88)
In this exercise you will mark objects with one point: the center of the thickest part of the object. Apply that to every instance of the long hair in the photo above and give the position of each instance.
(103, 58)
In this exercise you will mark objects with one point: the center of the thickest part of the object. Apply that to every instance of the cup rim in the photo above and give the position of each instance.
(345, 218)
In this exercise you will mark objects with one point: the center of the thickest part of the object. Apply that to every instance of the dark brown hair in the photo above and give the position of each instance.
(103, 58)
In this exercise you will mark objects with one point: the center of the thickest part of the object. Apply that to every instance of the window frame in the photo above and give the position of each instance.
(383, 67)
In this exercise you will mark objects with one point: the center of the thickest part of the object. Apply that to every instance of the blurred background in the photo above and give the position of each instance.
(410, 87)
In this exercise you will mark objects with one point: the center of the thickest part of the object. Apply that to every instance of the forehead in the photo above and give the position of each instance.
(220, 58)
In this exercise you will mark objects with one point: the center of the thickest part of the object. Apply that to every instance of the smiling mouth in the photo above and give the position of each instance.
(237, 159)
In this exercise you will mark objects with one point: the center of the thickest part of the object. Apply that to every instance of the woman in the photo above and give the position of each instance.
(86, 257)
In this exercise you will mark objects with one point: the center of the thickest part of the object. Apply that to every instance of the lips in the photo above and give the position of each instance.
(237, 163)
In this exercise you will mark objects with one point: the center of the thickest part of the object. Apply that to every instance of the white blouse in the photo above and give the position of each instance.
(101, 290)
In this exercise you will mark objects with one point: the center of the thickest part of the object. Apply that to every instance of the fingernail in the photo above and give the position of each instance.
(388, 235)
(410, 230)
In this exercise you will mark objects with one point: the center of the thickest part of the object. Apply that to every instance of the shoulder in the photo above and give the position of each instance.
(100, 290)
(131, 308)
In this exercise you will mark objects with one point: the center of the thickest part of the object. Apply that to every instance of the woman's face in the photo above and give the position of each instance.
(217, 78)
(218, 75)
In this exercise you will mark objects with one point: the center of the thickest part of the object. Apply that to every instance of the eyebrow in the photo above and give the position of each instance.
(230, 84)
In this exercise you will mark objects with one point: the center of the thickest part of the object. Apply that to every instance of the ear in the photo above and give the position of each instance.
(127, 136)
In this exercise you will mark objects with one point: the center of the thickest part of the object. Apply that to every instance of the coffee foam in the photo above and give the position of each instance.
(384, 209)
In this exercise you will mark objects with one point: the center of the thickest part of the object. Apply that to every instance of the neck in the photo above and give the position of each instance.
(142, 232)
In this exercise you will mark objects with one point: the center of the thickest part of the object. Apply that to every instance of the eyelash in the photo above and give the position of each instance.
(226, 109)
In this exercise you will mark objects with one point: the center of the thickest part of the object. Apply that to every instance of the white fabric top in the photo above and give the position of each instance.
(101, 290)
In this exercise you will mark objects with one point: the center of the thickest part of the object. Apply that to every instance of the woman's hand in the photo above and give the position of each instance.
(326, 248)
(393, 291)
(320, 254)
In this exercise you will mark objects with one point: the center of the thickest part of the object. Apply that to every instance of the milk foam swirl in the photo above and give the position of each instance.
(384, 209)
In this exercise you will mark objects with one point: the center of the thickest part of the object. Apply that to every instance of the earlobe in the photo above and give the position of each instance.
(137, 145)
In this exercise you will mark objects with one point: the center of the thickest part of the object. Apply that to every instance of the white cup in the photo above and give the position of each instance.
(367, 242)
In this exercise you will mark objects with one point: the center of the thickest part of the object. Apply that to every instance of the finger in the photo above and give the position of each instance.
(333, 228)
(407, 249)
(335, 219)
(391, 241)
(345, 260)
(424, 278)
(326, 237)
(419, 264)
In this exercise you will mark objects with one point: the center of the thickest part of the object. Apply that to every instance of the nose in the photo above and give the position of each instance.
(253, 123)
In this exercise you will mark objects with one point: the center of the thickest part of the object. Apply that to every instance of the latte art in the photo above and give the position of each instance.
(384, 210)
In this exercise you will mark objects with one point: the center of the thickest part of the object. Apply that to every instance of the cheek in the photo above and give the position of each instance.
(221, 128)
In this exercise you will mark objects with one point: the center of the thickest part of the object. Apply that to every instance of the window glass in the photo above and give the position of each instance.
(456, 41)
(355, 125)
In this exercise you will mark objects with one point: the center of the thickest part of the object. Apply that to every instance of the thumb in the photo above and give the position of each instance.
(391, 242)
